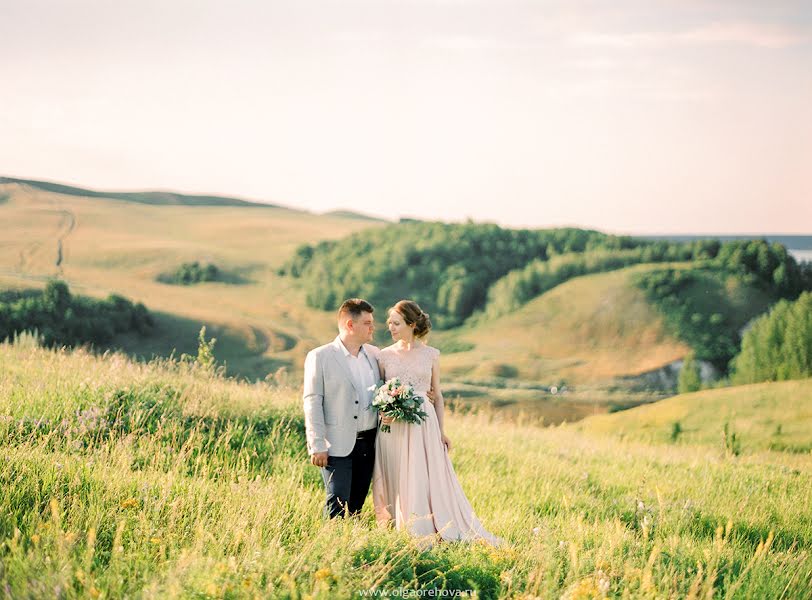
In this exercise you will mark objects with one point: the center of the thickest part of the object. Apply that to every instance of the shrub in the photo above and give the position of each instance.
(62, 319)
(191, 273)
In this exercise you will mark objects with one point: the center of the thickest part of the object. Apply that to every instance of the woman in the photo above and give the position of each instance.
(413, 482)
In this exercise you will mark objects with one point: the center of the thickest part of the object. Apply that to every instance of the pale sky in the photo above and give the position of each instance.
(635, 116)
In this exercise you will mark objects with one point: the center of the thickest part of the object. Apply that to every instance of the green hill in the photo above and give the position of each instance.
(555, 324)
(589, 329)
(776, 416)
(446, 268)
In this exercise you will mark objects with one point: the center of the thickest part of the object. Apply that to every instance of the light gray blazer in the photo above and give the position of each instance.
(330, 393)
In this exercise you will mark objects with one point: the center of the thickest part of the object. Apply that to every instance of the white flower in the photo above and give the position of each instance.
(603, 583)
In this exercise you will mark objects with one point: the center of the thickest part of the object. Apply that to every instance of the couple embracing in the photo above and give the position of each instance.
(414, 486)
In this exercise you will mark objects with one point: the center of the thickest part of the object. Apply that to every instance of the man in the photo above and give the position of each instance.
(339, 382)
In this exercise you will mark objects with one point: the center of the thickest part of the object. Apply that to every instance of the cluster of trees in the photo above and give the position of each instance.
(448, 269)
(66, 320)
(706, 323)
(767, 265)
(683, 298)
(191, 273)
(778, 346)
(690, 378)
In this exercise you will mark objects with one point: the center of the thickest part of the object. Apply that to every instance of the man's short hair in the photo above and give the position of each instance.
(354, 307)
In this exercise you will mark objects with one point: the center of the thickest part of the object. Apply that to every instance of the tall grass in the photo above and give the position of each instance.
(165, 480)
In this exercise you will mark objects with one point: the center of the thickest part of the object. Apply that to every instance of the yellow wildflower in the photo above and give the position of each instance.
(35, 538)
(582, 590)
(323, 573)
(94, 593)
(155, 540)
(129, 503)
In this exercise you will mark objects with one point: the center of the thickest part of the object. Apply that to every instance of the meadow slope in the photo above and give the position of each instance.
(763, 416)
(164, 480)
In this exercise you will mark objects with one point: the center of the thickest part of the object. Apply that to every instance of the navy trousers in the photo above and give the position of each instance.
(347, 478)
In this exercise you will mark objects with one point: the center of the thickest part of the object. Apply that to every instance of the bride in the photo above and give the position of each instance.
(413, 484)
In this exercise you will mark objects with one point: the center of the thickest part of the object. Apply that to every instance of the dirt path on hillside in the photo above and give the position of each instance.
(66, 226)
(30, 258)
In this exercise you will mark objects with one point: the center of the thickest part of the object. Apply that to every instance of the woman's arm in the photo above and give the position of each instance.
(437, 400)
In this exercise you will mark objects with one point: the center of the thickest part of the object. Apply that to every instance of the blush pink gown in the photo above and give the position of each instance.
(414, 485)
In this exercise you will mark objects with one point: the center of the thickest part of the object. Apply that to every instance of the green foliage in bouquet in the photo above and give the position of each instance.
(398, 400)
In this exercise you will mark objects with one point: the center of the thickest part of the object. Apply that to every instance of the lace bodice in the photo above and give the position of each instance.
(412, 366)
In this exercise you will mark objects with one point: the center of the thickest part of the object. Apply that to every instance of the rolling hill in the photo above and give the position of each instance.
(594, 335)
(146, 197)
(99, 246)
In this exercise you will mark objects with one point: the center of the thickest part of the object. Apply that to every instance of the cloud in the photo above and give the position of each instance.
(747, 34)
(470, 42)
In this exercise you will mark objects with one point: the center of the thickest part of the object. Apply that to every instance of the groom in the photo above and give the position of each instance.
(339, 379)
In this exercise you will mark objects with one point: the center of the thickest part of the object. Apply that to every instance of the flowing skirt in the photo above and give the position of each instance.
(415, 487)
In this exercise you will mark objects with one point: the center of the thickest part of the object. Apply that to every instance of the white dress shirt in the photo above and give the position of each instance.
(361, 370)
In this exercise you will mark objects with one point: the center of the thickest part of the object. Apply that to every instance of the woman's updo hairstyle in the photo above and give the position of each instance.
(414, 315)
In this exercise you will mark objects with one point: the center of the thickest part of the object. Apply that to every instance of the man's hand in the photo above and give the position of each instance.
(319, 459)
(387, 419)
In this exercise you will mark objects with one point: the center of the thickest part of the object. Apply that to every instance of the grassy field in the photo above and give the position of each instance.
(163, 480)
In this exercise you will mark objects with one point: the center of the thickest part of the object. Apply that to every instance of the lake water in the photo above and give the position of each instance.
(801, 255)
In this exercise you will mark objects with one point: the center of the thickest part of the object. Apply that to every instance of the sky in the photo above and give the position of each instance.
(628, 116)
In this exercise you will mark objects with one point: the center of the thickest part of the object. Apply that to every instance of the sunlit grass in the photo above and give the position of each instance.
(763, 416)
(164, 480)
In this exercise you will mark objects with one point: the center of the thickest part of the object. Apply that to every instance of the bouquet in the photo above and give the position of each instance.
(398, 400)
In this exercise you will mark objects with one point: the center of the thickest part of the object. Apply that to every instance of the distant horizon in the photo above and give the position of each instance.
(273, 203)
(361, 212)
